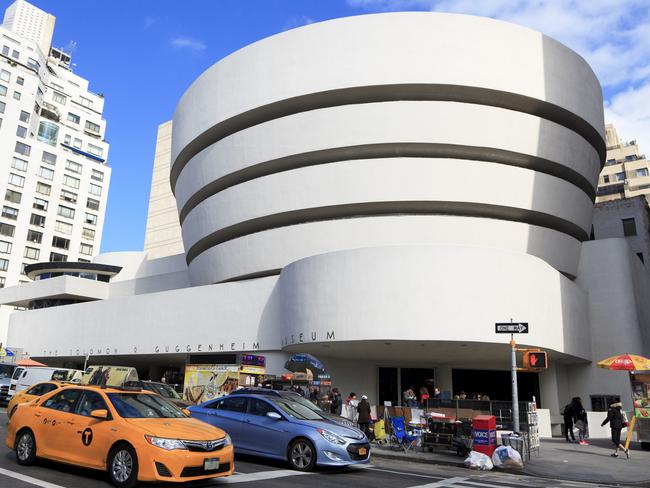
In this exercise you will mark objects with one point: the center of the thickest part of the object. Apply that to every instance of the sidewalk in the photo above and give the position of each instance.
(556, 460)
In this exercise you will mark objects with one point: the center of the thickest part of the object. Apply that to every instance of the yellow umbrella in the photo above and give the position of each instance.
(625, 362)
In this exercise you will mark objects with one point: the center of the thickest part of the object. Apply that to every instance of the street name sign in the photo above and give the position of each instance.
(511, 328)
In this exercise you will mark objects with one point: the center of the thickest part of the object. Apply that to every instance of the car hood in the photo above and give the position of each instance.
(349, 433)
(185, 428)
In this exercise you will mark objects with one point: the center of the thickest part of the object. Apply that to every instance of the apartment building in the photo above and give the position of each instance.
(626, 173)
(55, 177)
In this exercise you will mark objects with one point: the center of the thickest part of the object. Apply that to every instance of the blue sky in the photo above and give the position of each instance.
(143, 54)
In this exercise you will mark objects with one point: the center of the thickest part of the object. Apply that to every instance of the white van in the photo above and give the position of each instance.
(14, 380)
(39, 374)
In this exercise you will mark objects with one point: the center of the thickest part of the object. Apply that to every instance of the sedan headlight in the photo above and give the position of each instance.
(166, 444)
(332, 437)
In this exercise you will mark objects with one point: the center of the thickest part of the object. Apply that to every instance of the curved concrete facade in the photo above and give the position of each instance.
(435, 119)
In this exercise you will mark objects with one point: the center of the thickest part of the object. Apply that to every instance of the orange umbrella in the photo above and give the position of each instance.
(29, 362)
(625, 362)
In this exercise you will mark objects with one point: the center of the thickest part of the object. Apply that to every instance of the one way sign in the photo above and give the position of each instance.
(511, 328)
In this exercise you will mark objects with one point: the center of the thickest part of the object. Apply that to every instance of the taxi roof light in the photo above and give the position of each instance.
(121, 377)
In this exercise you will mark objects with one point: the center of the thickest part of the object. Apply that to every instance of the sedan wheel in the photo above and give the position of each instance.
(123, 466)
(302, 455)
(26, 448)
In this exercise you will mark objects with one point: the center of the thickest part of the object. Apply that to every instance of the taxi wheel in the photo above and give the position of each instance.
(25, 448)
(123, 466)
(302, 455)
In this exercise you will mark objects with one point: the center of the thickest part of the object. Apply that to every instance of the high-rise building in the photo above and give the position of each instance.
(626, 173)
(54, 177)
(163, 234)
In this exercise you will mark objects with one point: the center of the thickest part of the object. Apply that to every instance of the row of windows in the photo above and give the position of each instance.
(63, 99)
(39, 221)
(33, 252)
(76, 119)
(48, 174)
(44, 189)
(621, 176)
(3, 92)
(6, 76)
(49, 158)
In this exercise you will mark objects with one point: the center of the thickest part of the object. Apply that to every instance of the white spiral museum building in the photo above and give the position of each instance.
(377, 191)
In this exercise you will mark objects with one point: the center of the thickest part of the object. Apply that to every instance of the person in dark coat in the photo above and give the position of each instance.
(364, 415)
(336, 406)
(568, 415)
(616, 424)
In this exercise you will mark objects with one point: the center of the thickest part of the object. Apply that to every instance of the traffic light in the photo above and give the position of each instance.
(535, 360)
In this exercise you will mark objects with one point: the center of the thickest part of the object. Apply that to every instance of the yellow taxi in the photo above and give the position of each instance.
(133, 434)
(30, 393)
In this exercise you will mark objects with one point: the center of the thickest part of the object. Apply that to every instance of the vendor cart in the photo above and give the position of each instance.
(447, 433)
(641, 397)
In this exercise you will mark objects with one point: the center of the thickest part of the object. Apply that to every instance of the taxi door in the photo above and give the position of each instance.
(89, 439)
(53, 420)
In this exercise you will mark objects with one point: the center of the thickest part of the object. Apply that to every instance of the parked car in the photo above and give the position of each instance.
(166, 391)
(37, 390)
(296, 397)
(7, 372)
(32, 375)
(280, 427)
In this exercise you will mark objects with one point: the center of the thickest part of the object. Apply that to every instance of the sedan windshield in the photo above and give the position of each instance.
(296, 409)
(142, 405)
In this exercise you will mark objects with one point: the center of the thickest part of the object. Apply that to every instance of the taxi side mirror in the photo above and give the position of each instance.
(186, 412)
(101, 414)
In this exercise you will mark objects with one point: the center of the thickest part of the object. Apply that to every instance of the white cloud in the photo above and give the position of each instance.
(612, 35)
(183, 42)
(297, 21)
(629, 111)
(149, 21)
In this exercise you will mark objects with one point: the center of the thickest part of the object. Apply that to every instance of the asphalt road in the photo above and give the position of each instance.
(261, 473)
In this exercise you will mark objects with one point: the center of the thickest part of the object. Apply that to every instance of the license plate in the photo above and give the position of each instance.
(363, 451)
(210, 464)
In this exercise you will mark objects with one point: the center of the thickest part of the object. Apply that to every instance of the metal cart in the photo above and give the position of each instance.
(448, 434)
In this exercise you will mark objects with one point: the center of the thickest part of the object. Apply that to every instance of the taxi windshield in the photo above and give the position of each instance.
(143, 405)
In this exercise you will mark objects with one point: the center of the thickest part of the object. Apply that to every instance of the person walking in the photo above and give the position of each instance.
(580, 421)
(616, 424)
(567, 413)
(336, 406)
(364, 415)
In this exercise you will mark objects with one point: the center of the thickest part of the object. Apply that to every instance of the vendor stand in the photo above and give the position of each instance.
(447, 433)
(641, 397)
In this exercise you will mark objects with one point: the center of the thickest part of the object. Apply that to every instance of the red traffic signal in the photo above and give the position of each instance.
(535, 360)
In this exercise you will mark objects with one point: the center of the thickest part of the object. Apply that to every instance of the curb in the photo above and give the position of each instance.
(441, 462)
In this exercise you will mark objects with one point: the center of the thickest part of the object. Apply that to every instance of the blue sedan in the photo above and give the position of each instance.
(280, 428)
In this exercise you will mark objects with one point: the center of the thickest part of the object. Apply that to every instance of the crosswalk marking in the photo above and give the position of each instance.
(445, 482)
(29, 479)
(259, 476)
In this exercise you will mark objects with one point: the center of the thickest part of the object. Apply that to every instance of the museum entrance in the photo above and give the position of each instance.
(393, 381)
(495, 384)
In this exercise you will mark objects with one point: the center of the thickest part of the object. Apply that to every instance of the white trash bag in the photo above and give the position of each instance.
(478, 460)
(506, 457)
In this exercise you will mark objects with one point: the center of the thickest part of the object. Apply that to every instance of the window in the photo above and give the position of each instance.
(232, 404)
(13, 196)
(42, 389)
(34, 236)
(63, 227)
(58, 98)
(9, 212)
(2, 282)
(640, 256)
(259, 407)
(85, 102)
(95, 190)
(56, 257)
(68, 196)
(23, 149)
(37, 220)
(48, 132)
(90, 401)
(43, 188)
(97, 175)
(24, 116)
(631, 157)
(642, 172)
(32, 253)
(40, 204)
(75, 119)
(16, 180)
(65, 212)
(70, 181)
(619, 176)
(33, 64)
(5, 75)
(15, 54)
(3, 90)
(56, 86)
(600, 403)
(4, 264)
(629, 227)
(606, 178)
(5, 247)
(5, 50)
(96, 150)
(92, 204)
(90, 219)
(91, 126)
(86, 249)
(72, 166)
(21, 131)
(48, 158)
(46, 173)
(7, 229)
(67, 139)
(3, 105)
(82, 260)
(60, 242)
(19, 164)
(76, 143)
(65, 401)
(88, 234)
(22, 268)
(20, 80)
(17, 95)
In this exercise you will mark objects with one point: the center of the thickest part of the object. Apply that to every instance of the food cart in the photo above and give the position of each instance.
(447, 433)
(641, 396)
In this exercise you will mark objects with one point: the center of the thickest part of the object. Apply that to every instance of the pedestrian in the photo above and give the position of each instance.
(567, 413)
(424, 397)
(462, 395)
(410, 400)
(617, 421)
(337, 402)
(351, 404)
(364, 415)
(580, 421)
(436, 393)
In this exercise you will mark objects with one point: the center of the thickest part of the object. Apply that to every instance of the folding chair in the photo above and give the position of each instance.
(402, 439)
